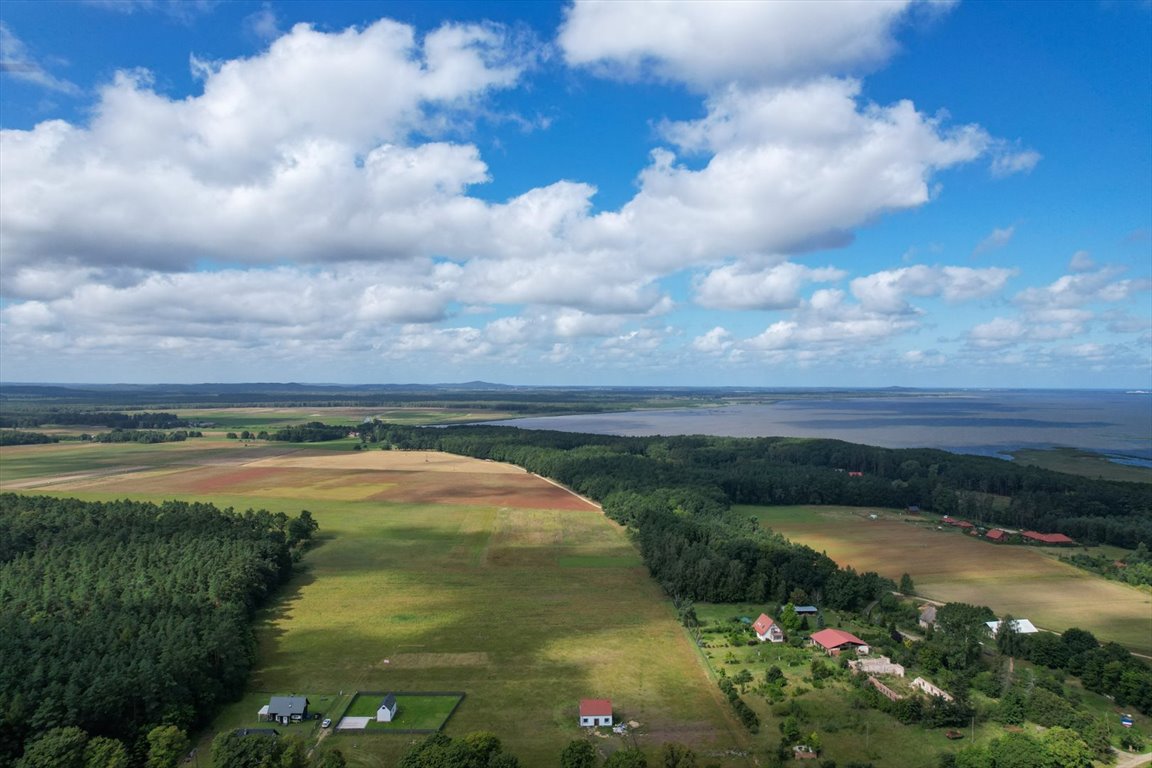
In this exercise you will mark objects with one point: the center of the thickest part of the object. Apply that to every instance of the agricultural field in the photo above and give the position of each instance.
(270, 418)
(949, 566)
(434, 573)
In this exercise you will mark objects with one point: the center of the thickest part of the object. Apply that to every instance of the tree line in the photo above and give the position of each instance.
(23, 437)
(73, 417)
(143, 436)
(118, 617)
(778, 470)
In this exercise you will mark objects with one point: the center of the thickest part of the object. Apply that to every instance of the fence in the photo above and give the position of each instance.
(459, 695)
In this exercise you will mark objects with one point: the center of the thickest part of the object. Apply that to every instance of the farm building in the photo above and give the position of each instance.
(834, 641)
(881, 665)
(1047, 538)
(595, 712)
(1022, 627)
(806, 610)
(768, 630)
(928, 616)
(285, 709)
(997, 535)
(931, 689)
(386, 712)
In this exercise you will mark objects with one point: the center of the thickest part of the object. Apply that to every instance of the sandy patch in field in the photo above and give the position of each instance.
(430, 660)
(395, 461)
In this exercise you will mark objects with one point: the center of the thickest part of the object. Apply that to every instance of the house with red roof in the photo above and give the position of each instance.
(595, 712)
(1047, 538)
(835, 641)
(768, 630)
(996, 535)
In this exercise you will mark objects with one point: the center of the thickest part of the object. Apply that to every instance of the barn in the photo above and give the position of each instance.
(835, 641)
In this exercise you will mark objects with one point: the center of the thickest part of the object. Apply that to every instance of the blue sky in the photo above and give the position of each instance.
(723, 193)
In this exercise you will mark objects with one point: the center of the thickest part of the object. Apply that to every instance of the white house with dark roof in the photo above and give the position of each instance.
(386, 712)
(285, 709)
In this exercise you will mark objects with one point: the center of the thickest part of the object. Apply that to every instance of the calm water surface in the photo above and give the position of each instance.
(1116, 424)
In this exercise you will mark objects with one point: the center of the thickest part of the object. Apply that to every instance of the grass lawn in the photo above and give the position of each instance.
(414, 711)
(947, 565)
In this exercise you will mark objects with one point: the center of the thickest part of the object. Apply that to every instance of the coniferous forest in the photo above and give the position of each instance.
(122, 616)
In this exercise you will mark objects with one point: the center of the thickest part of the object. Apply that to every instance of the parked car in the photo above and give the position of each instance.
(327, 723)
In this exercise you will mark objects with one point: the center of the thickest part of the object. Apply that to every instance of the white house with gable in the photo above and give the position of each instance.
(595, 712)
(386, 712)
(768, 630)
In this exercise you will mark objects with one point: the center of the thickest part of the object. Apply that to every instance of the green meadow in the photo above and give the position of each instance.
(1085, 463)
(525, 610)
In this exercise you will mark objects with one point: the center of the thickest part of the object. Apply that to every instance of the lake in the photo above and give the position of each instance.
(1113, 423)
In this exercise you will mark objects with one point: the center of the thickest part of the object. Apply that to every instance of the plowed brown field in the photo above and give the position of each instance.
(417, 477)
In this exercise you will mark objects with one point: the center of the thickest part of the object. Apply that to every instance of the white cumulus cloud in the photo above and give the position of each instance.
(703, 44)
(887, 291)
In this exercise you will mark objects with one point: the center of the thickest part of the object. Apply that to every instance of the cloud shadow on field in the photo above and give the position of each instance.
(523, 634)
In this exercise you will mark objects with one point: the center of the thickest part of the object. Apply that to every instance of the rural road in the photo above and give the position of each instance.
(1131, 761)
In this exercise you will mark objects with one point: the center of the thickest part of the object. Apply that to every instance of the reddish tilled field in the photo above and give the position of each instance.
(400, 477)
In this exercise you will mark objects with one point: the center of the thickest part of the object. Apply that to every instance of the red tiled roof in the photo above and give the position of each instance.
(763, 624)
(996, 534)
(1048, 538)
(595, 708)
(834, 638)
(964, 524)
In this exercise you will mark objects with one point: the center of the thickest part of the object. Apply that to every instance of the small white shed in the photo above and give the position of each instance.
(386, 712)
